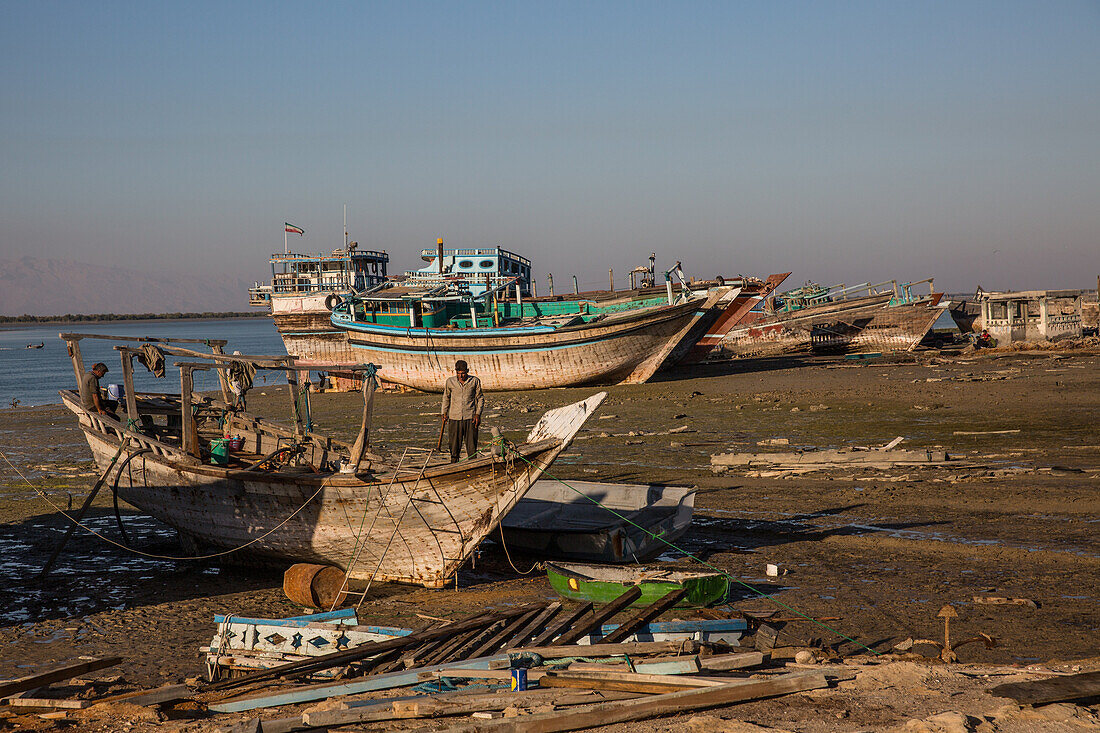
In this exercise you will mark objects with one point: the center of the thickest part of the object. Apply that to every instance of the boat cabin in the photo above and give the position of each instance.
(473, 270)
(346, 270)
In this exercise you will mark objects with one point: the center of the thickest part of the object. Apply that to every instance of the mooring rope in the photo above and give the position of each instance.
(701, 561)
(154, 556)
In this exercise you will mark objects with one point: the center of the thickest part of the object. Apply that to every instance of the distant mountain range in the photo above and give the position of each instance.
(45, 287)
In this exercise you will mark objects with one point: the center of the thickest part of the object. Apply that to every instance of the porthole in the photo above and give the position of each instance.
(466, 264)
(486, 264)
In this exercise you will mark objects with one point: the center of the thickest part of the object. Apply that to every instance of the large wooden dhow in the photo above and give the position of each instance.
(512, 345)
(292, 495)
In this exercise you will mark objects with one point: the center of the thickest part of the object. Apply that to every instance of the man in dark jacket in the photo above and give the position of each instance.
(462, 405)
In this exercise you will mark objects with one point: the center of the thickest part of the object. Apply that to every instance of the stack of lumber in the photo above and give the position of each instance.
(611, 677)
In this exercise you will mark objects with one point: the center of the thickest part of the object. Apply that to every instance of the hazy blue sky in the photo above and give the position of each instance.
(845, 141)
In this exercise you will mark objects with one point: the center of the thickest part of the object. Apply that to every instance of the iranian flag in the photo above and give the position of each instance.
(291, 229)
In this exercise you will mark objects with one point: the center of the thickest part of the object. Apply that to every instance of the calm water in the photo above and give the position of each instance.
(33, 376)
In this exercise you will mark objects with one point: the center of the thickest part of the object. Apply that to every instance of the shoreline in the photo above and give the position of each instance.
(14, 325)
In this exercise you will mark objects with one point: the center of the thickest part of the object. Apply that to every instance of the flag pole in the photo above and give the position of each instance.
(286, 247)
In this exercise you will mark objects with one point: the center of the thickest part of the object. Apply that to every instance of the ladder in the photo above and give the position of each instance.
(400, 474)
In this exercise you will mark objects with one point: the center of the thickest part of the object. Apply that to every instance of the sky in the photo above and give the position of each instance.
(846, 142)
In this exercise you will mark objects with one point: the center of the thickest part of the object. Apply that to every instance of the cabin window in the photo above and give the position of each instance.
(998, 311)
(486, 264)
(466, 264)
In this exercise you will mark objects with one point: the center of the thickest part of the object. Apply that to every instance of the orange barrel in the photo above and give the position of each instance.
(315, 586)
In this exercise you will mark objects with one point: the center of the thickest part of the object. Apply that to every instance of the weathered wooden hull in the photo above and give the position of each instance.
(736, 312)
(386, 528)
(967, 315)
(898, 328)
(762, 335)
(304, 325)
(626, 348)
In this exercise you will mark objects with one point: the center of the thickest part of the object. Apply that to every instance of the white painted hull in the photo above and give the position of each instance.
(400, 530)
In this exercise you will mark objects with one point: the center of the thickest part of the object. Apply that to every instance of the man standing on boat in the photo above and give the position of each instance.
(462, 405)
(90, 397)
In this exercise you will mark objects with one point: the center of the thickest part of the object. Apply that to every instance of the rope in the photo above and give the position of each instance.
(699, 560)
(530, 570)
(109, 541)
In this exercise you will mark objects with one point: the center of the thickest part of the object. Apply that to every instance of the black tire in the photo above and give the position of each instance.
(332, 301)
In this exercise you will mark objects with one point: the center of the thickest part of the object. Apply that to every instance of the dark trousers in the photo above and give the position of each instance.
(459, 432)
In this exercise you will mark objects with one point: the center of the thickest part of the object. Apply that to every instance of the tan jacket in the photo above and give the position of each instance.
(462, 401)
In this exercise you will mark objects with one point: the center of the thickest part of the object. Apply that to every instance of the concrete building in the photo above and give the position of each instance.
(1032, 315)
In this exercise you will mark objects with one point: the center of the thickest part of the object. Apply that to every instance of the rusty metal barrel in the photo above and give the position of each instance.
(315, 586)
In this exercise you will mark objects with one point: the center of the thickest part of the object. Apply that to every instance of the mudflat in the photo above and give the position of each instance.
(880, 550)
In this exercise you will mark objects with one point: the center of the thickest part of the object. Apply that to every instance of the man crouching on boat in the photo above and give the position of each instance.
(462, 405)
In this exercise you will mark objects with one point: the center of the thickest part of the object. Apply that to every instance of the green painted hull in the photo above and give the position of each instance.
(584, 583)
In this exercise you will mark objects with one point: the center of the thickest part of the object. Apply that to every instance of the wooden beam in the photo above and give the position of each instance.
(77, 359)
(132, 417)
(443, 705)
(190, 437)
(561, 625)
(592, 716)
(58, 674)
(311, 693)
(642, 687)
(724, 662)
(1040, 692)
(595, 621)
(538, 622)
(292, 382)
(74, 337)
(362, 441)
(156, 696)
(499, 640)
(644, 616)
(687, 646)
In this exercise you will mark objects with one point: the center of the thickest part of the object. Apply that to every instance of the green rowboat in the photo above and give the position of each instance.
(605, 583)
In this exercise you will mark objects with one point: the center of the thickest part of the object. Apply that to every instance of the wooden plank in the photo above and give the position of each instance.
(48, 702)
(77, 359)
(643, 617)
(445, 705)
(628, 676)
(591, 716)
(598, 617)
(449, 652)
(190, 434)
(132, 417)
(467, 649)
(632, 648)
(561, 625)
(723, 662)
(58, 674)
(498, 640)
(1056, 689)
(310, 693)
(533, 675)
(538, 622)
(564, 679)
(168, 693)
(363, 651)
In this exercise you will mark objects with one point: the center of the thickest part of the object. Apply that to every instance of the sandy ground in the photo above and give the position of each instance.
(881, 550)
